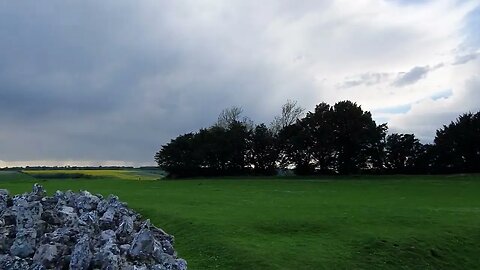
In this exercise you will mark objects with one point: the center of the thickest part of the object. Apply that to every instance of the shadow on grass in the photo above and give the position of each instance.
(291, 227)
(447, 251)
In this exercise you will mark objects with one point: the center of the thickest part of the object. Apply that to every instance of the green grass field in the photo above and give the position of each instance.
(395, 222)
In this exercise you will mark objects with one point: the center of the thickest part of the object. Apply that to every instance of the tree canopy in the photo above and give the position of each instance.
(458, 145)
(338, 139)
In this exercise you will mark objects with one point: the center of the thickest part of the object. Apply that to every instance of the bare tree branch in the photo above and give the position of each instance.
(291, 112)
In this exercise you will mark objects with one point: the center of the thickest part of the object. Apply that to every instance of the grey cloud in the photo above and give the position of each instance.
(114, 79)
(427, 116)
(414, 75)
(366, 79)
(402, 78)
(465, 58)
(411, 77)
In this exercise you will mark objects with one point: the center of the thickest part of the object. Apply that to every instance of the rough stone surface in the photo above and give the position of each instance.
(79, 231)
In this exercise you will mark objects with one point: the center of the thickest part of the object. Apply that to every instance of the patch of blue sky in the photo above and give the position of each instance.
(472, 26)
(442, 94)
(409, 2)
(394, 109)
(380, 119)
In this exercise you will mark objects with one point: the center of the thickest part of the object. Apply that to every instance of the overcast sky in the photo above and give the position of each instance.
(108, 82)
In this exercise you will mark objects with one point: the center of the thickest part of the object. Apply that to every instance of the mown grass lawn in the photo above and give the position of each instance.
(395, 222)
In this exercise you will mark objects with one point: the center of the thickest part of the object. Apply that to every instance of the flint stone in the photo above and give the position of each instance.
(47, 255)
(37, 267)
(8, 217)
(41, 227)
(109, 256)
(89, 219)
(68, 215)
(51, 217)
(61, 235)
(13, 263)
(126, 226)
(37, 192)
(24, 244)
(86, 201)
(82, 255)
(3, 200)
(7, 236)
(107, 219)
(107, 235)
(126, 229)
(79, 231)
(27, 213)
(124, 248)
(48, 202)
(111, 202)
(168, 262)
(143, 243)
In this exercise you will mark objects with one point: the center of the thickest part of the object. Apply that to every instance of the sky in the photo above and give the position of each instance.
(108, 82)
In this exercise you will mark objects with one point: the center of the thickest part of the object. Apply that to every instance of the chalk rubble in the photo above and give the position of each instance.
(79, 231)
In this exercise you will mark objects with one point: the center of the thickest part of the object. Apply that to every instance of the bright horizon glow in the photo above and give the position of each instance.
(71, 163)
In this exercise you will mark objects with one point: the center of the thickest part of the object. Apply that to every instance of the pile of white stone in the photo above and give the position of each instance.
(79, 231)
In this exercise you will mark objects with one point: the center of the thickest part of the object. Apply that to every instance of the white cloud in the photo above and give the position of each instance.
(428, 115)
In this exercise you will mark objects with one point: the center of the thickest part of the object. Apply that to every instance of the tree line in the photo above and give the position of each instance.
(331, 139)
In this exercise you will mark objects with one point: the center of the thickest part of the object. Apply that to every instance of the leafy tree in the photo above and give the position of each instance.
(296, 149)
(375, 150)
(356, 138)
(318, 127)
(403, 153)
(340, 139)
(458, 145)
(263, 150)
(237, 141)
(424, 163)
(210, 150)
(177, 156)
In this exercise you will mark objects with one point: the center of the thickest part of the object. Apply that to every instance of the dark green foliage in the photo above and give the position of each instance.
(425, 159)
(357, 139)
(296, 148)
(177, 157)
(403, 153)
(458, 145)
(318, 125)
(338, 139)
(213, 151)
(263, 151)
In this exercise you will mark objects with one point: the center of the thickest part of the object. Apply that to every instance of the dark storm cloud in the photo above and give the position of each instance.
(114, 81)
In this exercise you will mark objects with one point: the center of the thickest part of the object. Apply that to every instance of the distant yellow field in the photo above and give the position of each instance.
(132, 174)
